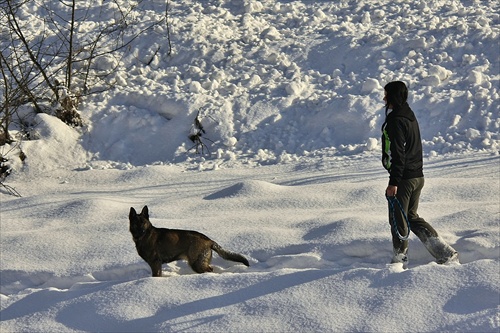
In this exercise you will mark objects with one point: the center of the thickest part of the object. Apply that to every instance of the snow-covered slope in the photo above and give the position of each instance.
(293, 78)
(291, 94)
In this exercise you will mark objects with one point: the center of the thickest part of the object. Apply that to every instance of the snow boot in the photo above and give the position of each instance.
(400, 258)
(440, 250)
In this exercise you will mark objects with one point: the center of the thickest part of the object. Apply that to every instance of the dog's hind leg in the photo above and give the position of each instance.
(201, 264)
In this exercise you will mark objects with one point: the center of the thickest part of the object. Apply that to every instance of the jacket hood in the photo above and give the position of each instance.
(397, 93)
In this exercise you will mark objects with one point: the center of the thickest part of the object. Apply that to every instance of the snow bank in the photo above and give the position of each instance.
(294, 78)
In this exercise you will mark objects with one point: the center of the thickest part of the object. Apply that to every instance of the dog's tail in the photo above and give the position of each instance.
(228, 255)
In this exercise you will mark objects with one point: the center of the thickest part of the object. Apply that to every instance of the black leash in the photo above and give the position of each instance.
(391, 201)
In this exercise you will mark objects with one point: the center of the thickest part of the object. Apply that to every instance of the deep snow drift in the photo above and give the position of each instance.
(291, 94)
(315, 233)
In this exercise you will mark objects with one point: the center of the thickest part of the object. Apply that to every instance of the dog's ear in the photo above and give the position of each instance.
(145, 212)
(132, 213)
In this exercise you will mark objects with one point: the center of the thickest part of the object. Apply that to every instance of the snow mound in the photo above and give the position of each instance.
(247, 189)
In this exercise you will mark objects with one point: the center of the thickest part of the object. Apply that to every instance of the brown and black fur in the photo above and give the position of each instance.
(158, 246)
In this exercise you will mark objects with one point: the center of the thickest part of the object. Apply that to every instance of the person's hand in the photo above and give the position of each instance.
(391, 191)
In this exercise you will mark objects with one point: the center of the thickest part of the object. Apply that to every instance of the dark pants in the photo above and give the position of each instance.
(408, 195)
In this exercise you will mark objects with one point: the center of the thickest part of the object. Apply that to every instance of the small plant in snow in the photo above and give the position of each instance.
(6, 170)
(195, 135)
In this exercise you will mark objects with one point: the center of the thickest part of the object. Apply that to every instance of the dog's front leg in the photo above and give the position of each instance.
(155, 268)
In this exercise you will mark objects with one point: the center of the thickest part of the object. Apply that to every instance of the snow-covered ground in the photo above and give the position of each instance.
(291, 94)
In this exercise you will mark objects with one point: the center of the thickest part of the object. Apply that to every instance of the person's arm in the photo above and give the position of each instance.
(397, 136)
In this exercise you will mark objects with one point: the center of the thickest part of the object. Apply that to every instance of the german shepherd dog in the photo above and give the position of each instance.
(160, 245)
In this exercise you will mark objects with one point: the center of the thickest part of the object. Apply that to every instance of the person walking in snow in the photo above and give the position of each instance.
(402, 157)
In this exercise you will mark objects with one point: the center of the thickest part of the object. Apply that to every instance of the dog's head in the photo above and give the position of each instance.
(139, 223)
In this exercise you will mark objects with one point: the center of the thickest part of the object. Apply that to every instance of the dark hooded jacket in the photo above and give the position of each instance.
(401, 141)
